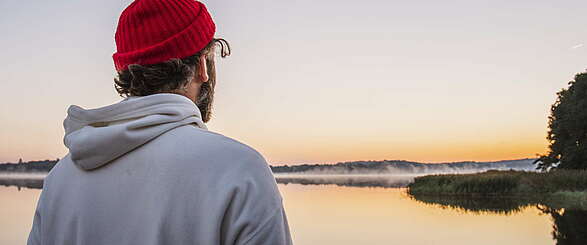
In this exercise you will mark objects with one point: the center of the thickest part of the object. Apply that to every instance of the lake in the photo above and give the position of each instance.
(363, 210)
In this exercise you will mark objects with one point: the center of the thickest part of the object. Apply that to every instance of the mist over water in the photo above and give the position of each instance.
(356, 180)
(387, 174)
(401, 167)
(16, 175)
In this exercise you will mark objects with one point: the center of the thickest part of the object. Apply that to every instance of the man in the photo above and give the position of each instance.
(146, 170)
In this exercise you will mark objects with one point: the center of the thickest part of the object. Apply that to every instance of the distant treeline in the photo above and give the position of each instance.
(357, 167)
(402, 166)
(32, 166)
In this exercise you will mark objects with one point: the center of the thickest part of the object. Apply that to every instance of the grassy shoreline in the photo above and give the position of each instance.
(559, 189)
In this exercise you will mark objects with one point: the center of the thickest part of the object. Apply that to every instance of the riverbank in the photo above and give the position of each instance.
(561, 188)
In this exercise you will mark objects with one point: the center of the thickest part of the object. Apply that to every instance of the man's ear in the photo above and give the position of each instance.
(203, 70)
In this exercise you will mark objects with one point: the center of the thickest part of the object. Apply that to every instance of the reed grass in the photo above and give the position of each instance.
(503, 183)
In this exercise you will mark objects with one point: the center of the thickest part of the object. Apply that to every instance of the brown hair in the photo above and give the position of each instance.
(168, 76)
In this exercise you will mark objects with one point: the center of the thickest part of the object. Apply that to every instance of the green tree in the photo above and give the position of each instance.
(567, 126)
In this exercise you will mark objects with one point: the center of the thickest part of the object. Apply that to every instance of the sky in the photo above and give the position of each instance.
(319, 81)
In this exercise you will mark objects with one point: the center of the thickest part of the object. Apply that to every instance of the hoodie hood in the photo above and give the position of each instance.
(95, 137)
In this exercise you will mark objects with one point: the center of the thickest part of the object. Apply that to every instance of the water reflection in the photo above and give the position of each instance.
(569, 226)
(478, 205)
(30, 181)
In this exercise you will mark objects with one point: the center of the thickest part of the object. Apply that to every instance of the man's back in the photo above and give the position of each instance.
(186, 185)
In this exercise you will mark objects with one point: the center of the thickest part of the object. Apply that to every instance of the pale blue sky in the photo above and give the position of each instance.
(319, 81)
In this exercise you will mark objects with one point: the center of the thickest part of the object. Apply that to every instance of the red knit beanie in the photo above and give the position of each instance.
(153, 31)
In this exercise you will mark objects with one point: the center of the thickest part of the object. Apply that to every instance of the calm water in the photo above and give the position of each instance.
(353, 212)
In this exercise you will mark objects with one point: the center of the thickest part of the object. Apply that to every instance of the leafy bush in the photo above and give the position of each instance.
(567, 126)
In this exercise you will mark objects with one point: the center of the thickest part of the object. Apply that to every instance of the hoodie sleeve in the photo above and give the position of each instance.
(273, 231)
(256, 215)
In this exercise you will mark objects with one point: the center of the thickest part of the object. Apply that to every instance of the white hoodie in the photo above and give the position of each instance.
(147, 171)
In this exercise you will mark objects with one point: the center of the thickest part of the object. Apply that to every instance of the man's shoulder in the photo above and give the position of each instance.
(197, 143)
(219, 155)
(197, 136)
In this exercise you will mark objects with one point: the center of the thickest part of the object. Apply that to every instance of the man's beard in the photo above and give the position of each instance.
(206, 96)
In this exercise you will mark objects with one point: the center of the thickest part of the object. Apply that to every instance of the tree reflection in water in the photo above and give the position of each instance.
(569, 224)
